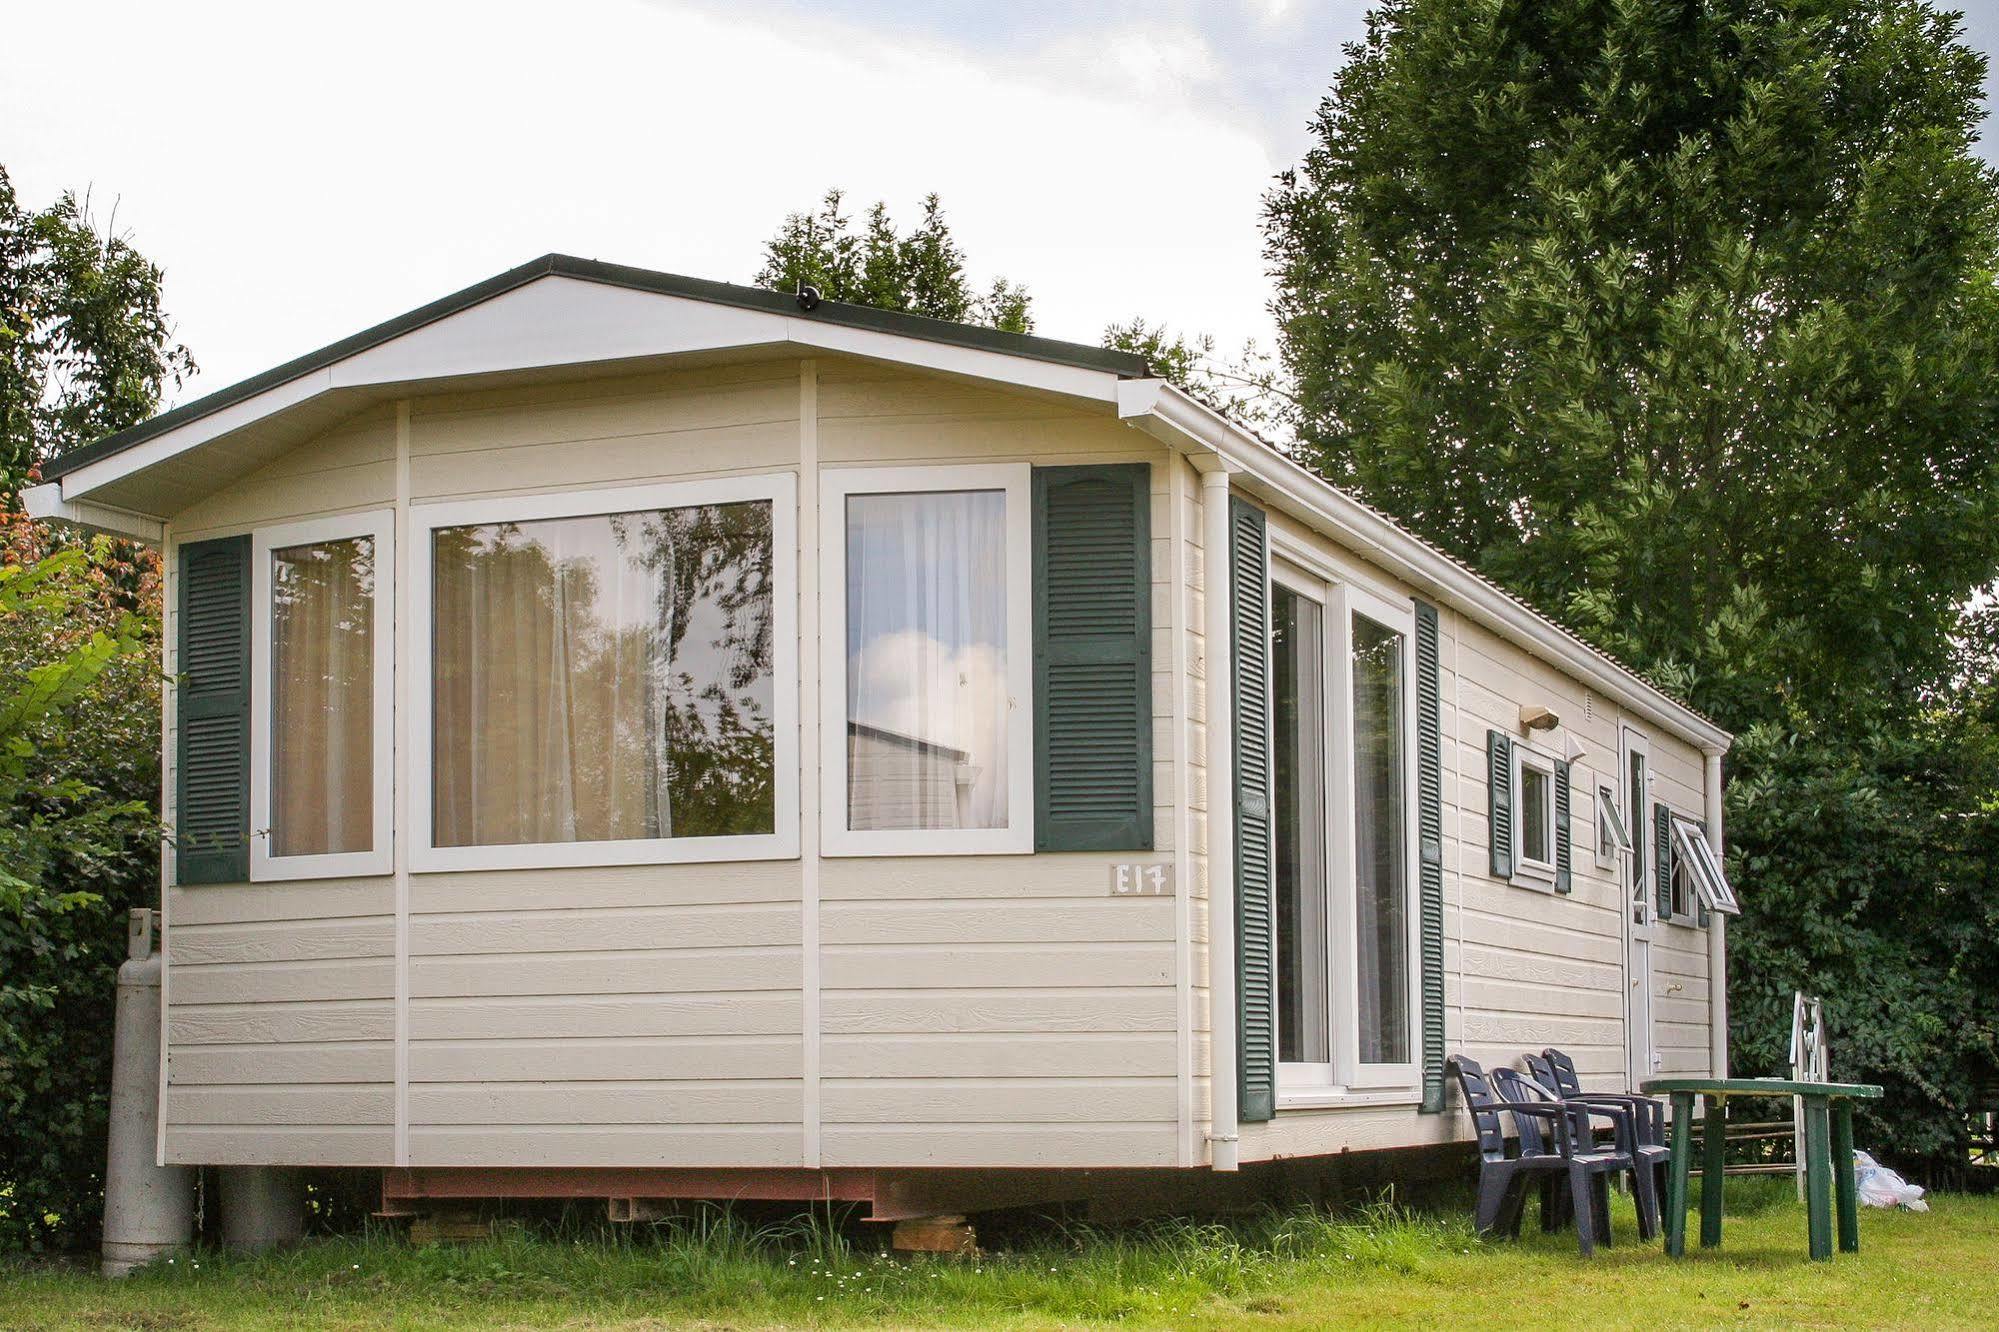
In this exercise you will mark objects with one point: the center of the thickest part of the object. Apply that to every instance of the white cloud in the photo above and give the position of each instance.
(910, 683)
(302, 173)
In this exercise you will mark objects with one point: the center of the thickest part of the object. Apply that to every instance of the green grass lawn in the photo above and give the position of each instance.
(1281, 1270)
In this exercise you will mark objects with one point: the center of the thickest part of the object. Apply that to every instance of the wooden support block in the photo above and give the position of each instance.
(460, 1226)
(950, 1235)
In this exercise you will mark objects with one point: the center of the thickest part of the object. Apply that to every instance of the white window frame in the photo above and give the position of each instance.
(1399, 615)
(1613, 839)
(379, 526)
(780, 491)
(1638, 886)
(1705, 877)
(836, 484)
(1299, 1078)
(1526, 872)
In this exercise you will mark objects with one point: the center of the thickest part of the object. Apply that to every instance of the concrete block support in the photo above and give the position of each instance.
(148, 1207)
(263, 1207)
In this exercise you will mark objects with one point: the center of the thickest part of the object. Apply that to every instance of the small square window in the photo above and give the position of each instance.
(1612, 838)
(1534, 829)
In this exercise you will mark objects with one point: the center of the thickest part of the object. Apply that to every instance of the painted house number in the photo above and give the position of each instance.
(1135, 880)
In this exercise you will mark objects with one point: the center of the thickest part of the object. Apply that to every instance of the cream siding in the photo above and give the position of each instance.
(971, 1010)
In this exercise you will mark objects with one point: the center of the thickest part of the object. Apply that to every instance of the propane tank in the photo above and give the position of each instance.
(148, 1208)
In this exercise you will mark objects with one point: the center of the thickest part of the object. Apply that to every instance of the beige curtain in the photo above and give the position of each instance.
(547, 686)
(323, 698)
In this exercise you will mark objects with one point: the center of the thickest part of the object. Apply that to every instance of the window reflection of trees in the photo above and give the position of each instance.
(655, 721)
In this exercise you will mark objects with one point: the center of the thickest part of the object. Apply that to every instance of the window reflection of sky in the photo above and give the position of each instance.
(926, 632)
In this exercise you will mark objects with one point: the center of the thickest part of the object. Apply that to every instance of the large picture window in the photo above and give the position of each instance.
(611, 681)
(927, 715)
(322, 669)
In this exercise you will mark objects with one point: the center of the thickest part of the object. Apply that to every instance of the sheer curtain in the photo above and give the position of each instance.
(926, 660)
(603, 678)
(323, 698)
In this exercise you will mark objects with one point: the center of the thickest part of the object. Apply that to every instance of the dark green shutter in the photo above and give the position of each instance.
(1499, 802)
(212, 711)
(1093, 658)
(1430, 852)
(1662, 855)
(1249, 649)
(1564, 843)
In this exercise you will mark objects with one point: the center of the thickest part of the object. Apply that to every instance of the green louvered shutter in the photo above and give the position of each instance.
(1093, 658)
(1564, 839)
(212, 711)
(1499, 802)
(1430, 852)
(1249, 648)
(1662, 854)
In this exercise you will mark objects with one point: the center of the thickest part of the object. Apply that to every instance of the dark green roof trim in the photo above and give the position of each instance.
(1051, 350)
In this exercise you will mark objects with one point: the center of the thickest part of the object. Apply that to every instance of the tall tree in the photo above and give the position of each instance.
(1678, 317)
(921, 271)
(85, 348)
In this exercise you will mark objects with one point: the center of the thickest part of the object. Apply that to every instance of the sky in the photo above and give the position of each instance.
(302, 172)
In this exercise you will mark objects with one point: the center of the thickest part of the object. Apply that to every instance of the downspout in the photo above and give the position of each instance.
(1222, 1127)
(1717, 935)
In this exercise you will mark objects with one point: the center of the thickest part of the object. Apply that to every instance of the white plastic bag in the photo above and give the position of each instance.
(1881, 1187)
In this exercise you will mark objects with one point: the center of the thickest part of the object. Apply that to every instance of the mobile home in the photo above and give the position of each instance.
(639, 737)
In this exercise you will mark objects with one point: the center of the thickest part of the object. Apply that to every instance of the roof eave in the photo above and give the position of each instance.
(1170, 411)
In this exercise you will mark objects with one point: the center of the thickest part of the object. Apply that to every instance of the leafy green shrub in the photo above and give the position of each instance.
(79, 768)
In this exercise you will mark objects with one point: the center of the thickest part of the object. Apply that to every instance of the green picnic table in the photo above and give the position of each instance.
(1827, 1152)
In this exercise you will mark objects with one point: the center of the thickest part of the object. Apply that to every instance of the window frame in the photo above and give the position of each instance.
(1696, 860)
(780, 491)
(1528, 872)
(377, 525)
(1399, 615)
(1638, 889)
(1342, 594)
(836, 484)
(1613, 839)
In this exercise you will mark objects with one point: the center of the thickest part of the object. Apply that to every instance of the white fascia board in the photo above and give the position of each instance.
(47, 503)
(556, 321)
(1162, 410)
(161, 448)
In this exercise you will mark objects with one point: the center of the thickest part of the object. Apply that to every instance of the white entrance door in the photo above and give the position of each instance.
(1640, 909)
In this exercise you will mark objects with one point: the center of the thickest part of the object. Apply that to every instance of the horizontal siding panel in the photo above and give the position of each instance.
(943, 922)
(656, 971)
(295, 1145)
(558, 931)
(607, 462)
(971, 1011)
(1539, 969)
(972, 1055)
(281, 982)
(281, 1024)
(332, 1104)
(560, 1104)
(252, 1065)
(999, 1145)
(320, 899)
(848, 966)
(1525, 997)
(296, 941)
(632, 1015)
(660, 410)
(1517, 1031)
(601, 887)
(609, 1145)
(1025, 1101)
(1080, 876)
(618, 1059)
